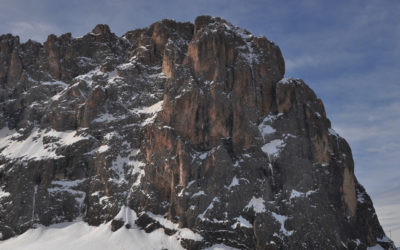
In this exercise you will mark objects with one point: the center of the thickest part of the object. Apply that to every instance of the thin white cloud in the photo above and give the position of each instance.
(314, 61)
(32, 30)
(389, 217)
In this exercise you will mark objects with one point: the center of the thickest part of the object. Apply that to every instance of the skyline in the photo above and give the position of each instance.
(346, 52)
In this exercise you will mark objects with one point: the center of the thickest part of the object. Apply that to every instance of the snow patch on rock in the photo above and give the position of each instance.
(296, 194)
(289, 81)
(69, 186)
(220, 247)
(181, 232)
(331, 131)
(198, 193)
(235, 182)
(242, 222)
(257, 204)
(36, 146)
(3, 194)
(281, 219)
(211, 206)
(376, 247)
(273, 148)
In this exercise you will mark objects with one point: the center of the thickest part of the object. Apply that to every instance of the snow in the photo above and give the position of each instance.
(66, 137)
(297, 194)
(80, 236)
(271, 117)
(308, 193)
(68, 183)
(186, 233)
(257, 204)
(357, 241)
(59, 83)
(234, 182)
(211, 206)
(181, 232)
(281, 219)
(104, 199)
(88, 77)
(190, 183)
(5, 133)
(32, 147)
(157, 107)
(242, 222)
(331, 131)
(97, 193)
(180, 194)
(126, 66)
(384, 239)
(127, 215)
(231, 30)
(266, 129)
(105, 118)
(287, 81)
(3, 194)
(203, 156)
(163, 221)
(220, 247)
(273, 147)
(360, 197)
(248, 52)
(133, 165)
(152, 110)
(139, 177)
(67, 186)
(103, 148)
(113, 134)
(376, 247)
(198, 193)
(84, 61)
(57, 96)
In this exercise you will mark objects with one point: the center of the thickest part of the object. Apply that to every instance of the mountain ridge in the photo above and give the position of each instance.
(194, 123)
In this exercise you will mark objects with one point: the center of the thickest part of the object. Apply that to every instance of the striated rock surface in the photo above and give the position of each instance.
(191, 126)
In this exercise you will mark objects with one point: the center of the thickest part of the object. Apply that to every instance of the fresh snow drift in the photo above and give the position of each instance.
(79, 235)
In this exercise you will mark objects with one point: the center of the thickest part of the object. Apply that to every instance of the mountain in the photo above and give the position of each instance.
(183, 134)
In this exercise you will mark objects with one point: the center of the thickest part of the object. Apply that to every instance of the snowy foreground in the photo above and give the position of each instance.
(80, 236)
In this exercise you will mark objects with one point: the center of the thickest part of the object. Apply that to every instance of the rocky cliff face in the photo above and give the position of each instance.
(192, 126)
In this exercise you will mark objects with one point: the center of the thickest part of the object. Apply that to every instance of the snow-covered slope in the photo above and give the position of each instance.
(79, 235)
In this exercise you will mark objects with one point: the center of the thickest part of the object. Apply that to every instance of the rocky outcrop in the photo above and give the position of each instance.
(193, 126)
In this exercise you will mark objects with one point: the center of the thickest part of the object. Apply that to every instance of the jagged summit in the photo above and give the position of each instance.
(189, 132)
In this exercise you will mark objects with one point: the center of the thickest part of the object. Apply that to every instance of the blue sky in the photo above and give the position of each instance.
(347, 51)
